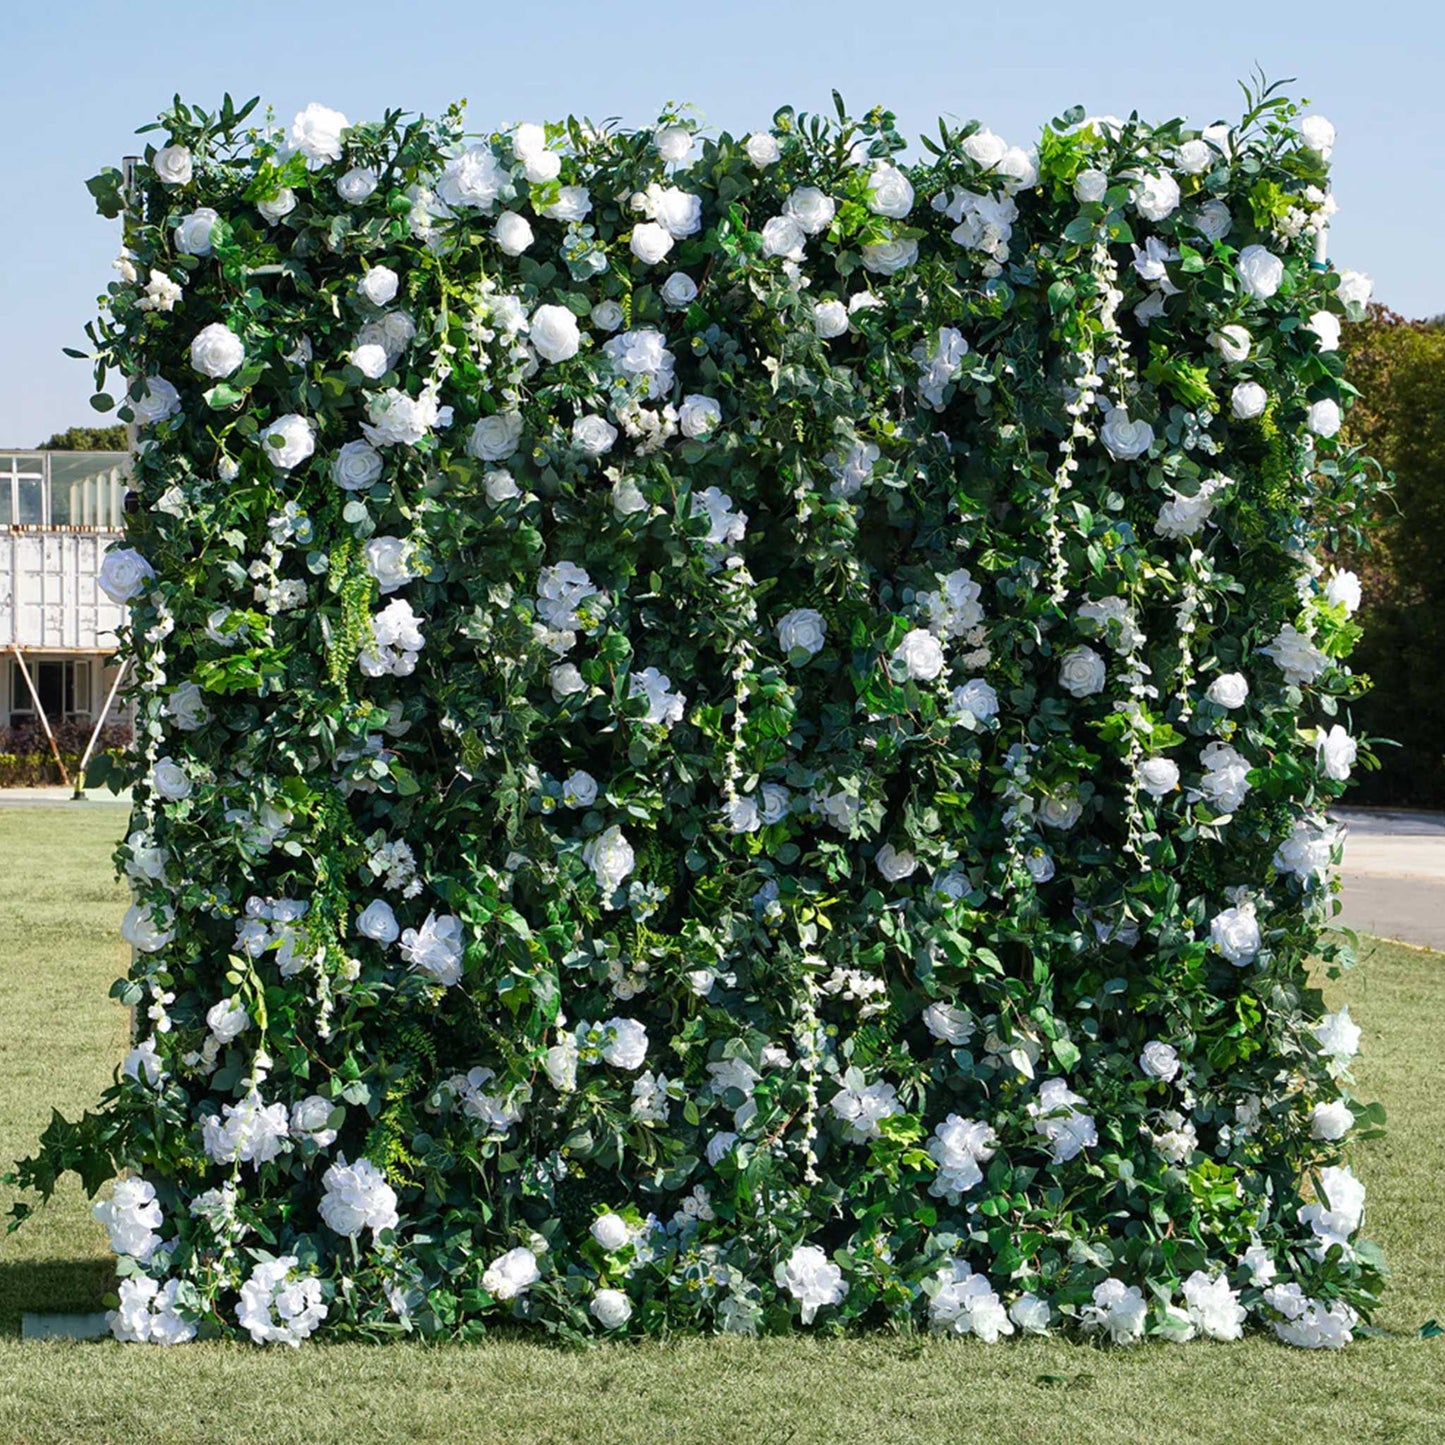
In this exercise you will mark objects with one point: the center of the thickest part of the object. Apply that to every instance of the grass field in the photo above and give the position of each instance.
(60, 1038)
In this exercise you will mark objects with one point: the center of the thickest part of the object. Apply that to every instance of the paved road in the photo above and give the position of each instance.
(58, 797)
(1394, 874)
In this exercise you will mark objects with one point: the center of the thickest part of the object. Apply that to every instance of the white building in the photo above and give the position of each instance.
(59, 511)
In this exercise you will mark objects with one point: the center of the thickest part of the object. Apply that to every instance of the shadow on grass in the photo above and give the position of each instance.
(48, 1286)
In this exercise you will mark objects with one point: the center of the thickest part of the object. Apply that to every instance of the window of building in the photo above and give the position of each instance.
(63, 685)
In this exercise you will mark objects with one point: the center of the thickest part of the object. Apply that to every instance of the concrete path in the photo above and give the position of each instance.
(1394, 874)
(59, 797)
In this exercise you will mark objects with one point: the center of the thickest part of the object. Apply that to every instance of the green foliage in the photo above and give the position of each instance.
(88, 439)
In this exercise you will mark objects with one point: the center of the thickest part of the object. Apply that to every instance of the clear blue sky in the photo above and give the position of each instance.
(80, 76)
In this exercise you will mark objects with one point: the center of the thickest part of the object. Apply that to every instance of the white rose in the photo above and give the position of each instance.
(377, 922)
(1235, 934)
(1231, 342)
(1060, 810)
(612, 1232)
(811, 209)
(920, 654)
(1331, 1121)
(172, 165)
(679, 289)
(890, 193)
(356, 466)
(579, 790)
(1090, 187)
(802, 630)
(500, 486)
(316, 134)
(1343, 589)
(512, 1274)
(699, 416)
(1158, 776)
(676, 210)
(984, 148)
(495, 438)
(593, 435)
(169, 779)
(1123, 439)
(1160, 1061)
(311, 1119)
(228, 1020)
(1248, 400)
(1326, 327)
(281, 204)
(975, 697)
(1082, 672)
(1157, 197)
(1260, 272)
(370, 360)
(650, 242)
(886, 258)
(1355, 288)
(626, 1047)
(783, 236)
(554, 333)
(288, 441)
(1336, 751)
(607, 315)
(124, 574)
(572, 204)
(217, 351)
(948, 1023)
(611, 1308)
(1229, 689)
(1195, 156)
(357, 184)
(158, 401)
(830, 319)
(566, 681)
(386, 560)
(193, 235)
(893, 865)
(762, 149)
(673, 142)
(1323, 418)
(1318, 135)
(379, 285)
(186, 707)
(627, 498)
(1020, 167)
(1212, 220)
(610, 857)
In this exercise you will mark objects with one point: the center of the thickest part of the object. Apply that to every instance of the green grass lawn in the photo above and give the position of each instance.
(60, 1037)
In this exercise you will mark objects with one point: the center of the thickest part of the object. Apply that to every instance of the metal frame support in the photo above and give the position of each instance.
(79, 794)
(40, 711)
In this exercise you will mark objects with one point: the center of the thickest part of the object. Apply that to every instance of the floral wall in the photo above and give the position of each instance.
(733, 732)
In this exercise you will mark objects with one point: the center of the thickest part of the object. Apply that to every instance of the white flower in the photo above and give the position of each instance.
(1157, 196)
(1229, 690)
(610, 857)
(1082, 672)
(674, 143)
(143, 1064)
(974, 698)
(1260, 272)
(762, 149)
(436, 948)
(965, 1303)
(1195, 156)
(593, 435)
(1338, 1037)
(887, 258)
(124, 574)
(217, 351)
(643, 354)
(193, 234)
(890, 193)
(356, 466)
(1296, 655)
(1337, 1214)
(664, 707)
(377, 921)
(812, 1279)
(698, 416)
(172, 165)
(148, 1314)
(1343, 590)
(1318, 135)
(278, 1305)
(311, 1119)
(1160, 1061)
(512, 233)
(1248, 400)
(958, 1147)
(948, 1023)
(1232, 342)
(370, 360)
(554, 333)
(573, 203)
(610, 1308)
(861, 1107)
(893, 865)
(1118, 1310)
(146, 930)
(1226, 777)
(379, 285)
(1090, 187)
(1158, 776)
(250, 1131)
(1235, 934)
(919, 655)
(158, 401)
(802, 630)
(1030, 1314)
(1307, 1323)
(357, 1197)
(386, 559)
(566, 681)
(626, 1046)
(1184, 516)
(500, 486)
(1213, 1307)
(170, 780)
(1323, 418)
(650, 242)
(1067, 1128)
(1306, 852)
(811, 209)
(1355, 288)
(1256, 1259)
(1123, 439)
(1060, 810)
(1336, 751)
(724, 524)
(984, 148)
(161, 293)
(1326, 327)
(288, 441)
(679, 290)
(612, 1232)
(579, 790)
(675, 210)
(783, 236)
(357, 184)
(495, 438)
(131, 1216)
(395, 418)
(316, 134)
(1331, 1121)
(228, 1020)
(830, 319)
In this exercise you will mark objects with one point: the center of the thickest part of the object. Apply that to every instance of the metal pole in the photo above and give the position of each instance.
(44, 721)
(99, 723)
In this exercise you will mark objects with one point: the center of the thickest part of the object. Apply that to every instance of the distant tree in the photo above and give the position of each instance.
(87, 439)
(1399, 368)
